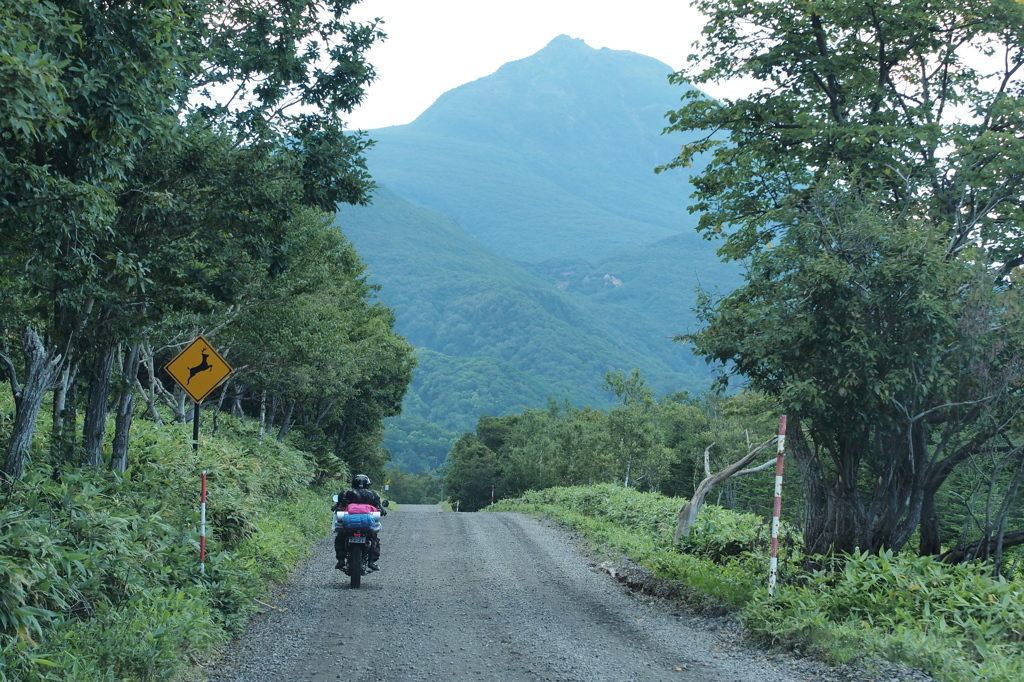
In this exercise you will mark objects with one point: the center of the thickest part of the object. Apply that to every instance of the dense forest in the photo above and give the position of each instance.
(139, 211)
(493, 336)
(642, 442)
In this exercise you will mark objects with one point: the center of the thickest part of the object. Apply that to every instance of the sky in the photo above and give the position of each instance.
(436, 45)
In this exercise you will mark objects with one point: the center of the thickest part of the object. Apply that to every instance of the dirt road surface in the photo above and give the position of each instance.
(480, 597)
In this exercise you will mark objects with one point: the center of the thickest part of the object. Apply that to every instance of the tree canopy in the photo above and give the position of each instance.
(871, 184)
(171, 167)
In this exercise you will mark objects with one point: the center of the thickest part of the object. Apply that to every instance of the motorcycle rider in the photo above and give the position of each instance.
(359, 493)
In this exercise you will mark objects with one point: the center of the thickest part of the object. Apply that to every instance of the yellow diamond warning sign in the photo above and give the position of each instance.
(198, 369)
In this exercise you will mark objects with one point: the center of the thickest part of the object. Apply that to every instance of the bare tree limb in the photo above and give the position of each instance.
(688, 514)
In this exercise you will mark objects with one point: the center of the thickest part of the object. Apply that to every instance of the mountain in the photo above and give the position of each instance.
(550, 156)
(528, 247)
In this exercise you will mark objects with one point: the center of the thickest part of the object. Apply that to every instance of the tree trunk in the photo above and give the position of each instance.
(179, 406)
(99, 403)
(931, 544)
(273, 411)
(263, 415)
(147, 361)
(125, 408)
(40, 367)
(64, 435)
(60, 397)
(286, 423)
(219, 406)
(236, 402)
(817, 539)
(974, 550)
(839, 517)
(66, 442)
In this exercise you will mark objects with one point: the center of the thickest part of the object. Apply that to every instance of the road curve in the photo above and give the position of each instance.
(477, 597)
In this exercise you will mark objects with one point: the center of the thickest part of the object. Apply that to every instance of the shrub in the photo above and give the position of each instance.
(99, 575)
(955, 622)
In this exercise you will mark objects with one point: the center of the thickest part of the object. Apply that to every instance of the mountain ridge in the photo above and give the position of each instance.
(539, 137)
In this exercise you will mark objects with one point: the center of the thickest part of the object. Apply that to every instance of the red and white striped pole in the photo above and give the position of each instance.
(773, 566)
(202, 526)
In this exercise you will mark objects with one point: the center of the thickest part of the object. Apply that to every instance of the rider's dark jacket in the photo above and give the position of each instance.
(357, 496)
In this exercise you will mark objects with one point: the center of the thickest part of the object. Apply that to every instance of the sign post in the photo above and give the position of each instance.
(199, 369)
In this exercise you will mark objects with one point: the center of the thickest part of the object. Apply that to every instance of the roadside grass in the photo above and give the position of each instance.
(955, 623)
(99, 572)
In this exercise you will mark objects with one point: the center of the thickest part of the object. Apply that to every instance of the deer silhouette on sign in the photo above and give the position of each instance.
(201, 367)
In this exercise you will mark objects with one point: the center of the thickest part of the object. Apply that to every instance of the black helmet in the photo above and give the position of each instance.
(360, 481)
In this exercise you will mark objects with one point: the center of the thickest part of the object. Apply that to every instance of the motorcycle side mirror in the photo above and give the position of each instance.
(385, 503)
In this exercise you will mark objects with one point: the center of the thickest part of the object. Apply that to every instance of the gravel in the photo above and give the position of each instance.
(499, 597)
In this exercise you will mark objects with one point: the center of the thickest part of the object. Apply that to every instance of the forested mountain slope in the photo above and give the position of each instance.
(527, 245)
(492, 337)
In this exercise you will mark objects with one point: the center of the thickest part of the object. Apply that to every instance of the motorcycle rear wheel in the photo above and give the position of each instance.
(355, 564)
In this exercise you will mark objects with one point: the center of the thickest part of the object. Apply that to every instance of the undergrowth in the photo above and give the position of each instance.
(99, 572)
(956, 623)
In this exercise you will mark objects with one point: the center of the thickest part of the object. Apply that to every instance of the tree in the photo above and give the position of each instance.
(900, 364)
(634, 432)
(873, 185)
(469, 472)
(584, 443)
(688, 513)
(111, 170)
(74, 115)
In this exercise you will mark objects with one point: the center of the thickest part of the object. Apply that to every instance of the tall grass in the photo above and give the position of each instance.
(99, 572)
(956, 623)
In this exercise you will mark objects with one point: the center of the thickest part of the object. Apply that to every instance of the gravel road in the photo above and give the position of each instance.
(490, 597)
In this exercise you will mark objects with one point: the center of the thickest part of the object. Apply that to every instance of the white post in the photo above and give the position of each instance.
(202, 526)
(773, 566)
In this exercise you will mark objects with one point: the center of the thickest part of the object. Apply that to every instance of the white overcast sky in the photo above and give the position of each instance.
(436, 45)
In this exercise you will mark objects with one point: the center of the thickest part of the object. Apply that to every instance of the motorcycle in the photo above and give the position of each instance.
(359, 525)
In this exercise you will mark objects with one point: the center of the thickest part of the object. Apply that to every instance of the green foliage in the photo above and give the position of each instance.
(469, 474)
(181, 208)
(317, 341)
(660, 443)
(880, 306)
(416, 444)
(99, 574)
(635, 433)
(954, 622)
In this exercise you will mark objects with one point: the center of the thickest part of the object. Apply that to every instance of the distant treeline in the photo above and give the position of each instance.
(645, 443)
